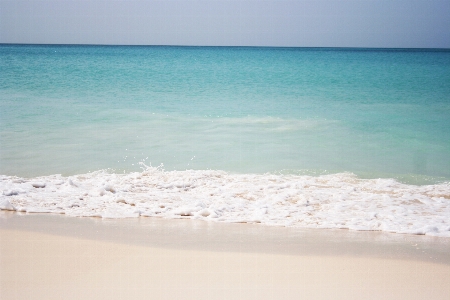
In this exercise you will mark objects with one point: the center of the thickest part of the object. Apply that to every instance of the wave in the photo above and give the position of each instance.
(328, 201)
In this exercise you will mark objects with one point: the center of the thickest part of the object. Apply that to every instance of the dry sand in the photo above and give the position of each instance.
(58, 257)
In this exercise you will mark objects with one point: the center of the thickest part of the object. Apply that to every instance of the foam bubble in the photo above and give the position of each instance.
(6, 205)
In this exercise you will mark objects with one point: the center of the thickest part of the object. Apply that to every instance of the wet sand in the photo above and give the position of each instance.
(57, 257)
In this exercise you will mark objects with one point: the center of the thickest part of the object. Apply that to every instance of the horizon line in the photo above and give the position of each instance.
(225, 46)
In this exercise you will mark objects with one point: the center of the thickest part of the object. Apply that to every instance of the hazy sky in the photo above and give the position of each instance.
(318, 23)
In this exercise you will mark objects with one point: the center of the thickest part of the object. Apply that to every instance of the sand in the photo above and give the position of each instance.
(57, 257)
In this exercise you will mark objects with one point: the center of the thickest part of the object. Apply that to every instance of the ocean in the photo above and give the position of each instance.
(306, 137)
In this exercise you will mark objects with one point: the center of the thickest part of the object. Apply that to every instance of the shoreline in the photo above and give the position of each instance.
(233, 237)
(54, 257)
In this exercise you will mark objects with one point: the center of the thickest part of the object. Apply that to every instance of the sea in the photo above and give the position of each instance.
(349, 138)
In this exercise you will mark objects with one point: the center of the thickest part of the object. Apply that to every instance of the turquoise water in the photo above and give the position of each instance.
(373, 112)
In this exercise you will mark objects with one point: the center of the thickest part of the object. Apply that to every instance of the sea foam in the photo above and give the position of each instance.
(328, 201)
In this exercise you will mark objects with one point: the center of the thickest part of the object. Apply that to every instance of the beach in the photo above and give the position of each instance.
(46, 256)
(173, 172)
(233, 150)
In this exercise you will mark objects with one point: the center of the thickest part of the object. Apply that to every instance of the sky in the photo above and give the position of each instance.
(295, 23)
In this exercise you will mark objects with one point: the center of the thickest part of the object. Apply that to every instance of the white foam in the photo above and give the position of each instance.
(6, 205)
(328, 201)
(38, 184)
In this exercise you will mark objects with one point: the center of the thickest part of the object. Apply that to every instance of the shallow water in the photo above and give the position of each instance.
(375, 113)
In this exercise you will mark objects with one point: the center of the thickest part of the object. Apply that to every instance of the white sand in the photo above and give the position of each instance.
(92, 259)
